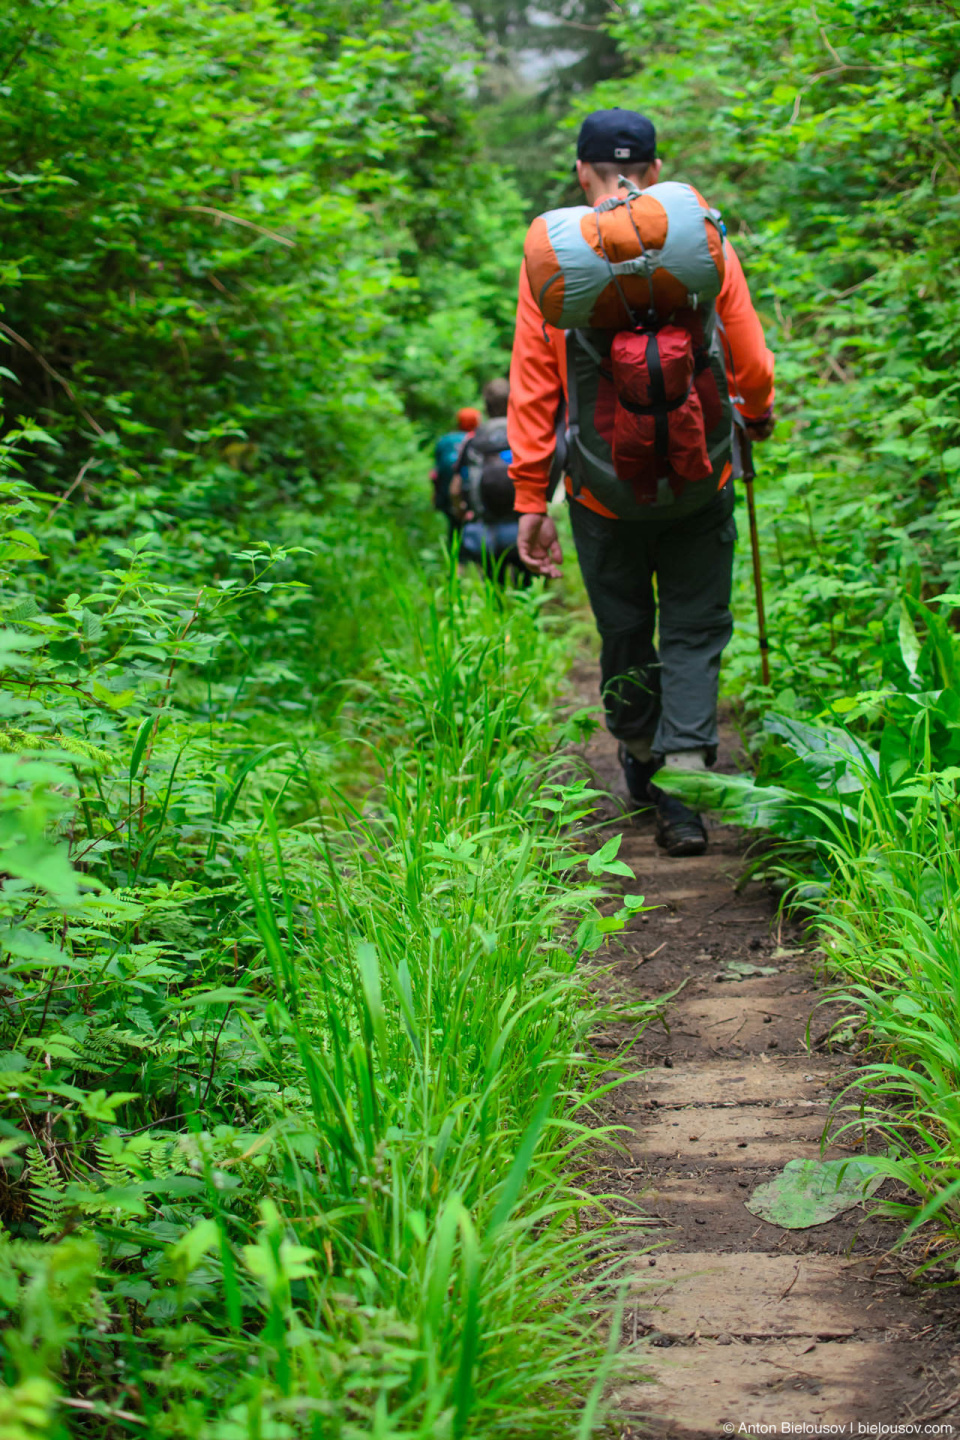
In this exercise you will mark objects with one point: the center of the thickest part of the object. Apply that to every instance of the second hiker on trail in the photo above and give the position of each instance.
(637, 353)
(482, 493)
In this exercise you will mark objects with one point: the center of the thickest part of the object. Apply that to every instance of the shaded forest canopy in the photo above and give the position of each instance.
(264, 758)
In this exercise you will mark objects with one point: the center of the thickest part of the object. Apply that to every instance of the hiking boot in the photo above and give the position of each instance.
(680, 831)
(637, 774)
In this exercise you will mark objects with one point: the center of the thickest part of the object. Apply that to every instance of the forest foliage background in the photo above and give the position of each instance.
(293, 1081)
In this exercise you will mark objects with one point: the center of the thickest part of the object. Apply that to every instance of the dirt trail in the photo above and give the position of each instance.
(741, 1323)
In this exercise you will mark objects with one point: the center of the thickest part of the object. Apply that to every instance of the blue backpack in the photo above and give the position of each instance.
(445, 457)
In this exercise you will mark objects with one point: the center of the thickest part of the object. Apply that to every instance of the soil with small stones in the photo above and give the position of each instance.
(737, 1325)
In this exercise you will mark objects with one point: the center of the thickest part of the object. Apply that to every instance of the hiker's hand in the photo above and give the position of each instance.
(763, 428)
(539, 546)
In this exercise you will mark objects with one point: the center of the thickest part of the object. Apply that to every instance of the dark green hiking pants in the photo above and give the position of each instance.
(670, 697)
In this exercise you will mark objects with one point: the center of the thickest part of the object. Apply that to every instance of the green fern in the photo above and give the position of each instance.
(47, 1186)
(75, 745)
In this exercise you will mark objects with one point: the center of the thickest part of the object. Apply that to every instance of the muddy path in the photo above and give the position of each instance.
(742, 1326)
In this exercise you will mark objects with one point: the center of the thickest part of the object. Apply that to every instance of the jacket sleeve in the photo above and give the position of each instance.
(535, 392)
(749, 363)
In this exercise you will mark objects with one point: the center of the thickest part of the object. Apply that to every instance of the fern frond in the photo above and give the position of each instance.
(47, 1188)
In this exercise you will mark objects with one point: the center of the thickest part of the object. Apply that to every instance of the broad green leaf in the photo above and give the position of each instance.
(910, 646)
(140, 744)
(603, 861)
(116, 699)
(811, 1192)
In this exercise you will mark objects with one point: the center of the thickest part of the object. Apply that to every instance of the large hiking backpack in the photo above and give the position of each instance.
(487, 487)
(633, 281)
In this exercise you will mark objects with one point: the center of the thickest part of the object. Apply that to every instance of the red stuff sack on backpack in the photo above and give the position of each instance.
(659, 429)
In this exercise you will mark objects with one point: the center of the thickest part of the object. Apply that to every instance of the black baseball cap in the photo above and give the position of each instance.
(611, 135)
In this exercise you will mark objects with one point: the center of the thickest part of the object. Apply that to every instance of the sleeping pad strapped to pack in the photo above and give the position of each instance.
(633, 281)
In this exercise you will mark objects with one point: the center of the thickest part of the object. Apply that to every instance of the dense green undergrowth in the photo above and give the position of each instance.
(295, 1087)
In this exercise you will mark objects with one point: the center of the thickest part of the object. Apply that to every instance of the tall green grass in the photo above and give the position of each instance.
(870, 853)
(890, 927)
(337, 1194)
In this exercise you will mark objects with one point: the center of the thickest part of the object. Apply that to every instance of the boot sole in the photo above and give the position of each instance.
(691, 845)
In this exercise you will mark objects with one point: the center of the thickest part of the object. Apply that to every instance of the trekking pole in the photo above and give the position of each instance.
(749, 475)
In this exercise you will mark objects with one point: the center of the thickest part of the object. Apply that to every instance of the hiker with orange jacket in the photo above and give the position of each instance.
(637, 353)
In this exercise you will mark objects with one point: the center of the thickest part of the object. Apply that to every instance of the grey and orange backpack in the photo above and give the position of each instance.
(633, 281)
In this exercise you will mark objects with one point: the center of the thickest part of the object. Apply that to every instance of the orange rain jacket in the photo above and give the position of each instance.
(538, 379)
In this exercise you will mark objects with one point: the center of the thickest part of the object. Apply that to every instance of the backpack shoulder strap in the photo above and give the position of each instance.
(573, 402)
